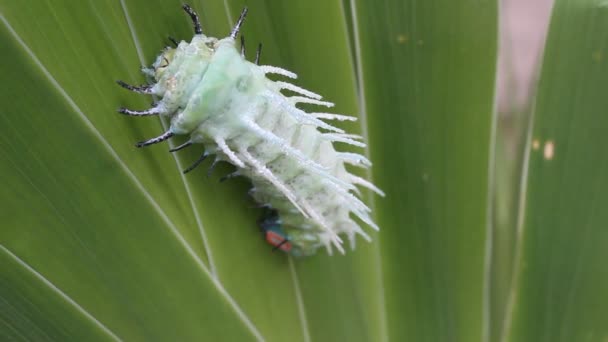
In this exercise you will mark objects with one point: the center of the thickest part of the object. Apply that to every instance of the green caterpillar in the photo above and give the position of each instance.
(212, 93)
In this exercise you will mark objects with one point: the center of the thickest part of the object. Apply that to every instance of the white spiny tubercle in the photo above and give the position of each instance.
(269, 69)
(353, 202)
(358, 208)
(304, 118)
(356, 204)
(284, 145)
(338, 246)
(321, 222)
(221, 143)
(363, 182)
(303, 206)
(351, 239)
(357, 192)
(369, 221)
(362, 233)
(301, 99)
(332, 180)
(267, 174)
(299, 90)
(339, 138)
(299, 114)
(328, 241)
(350, 136)
(365, 218)
(294, 153)
(337, 117)
(354, 159)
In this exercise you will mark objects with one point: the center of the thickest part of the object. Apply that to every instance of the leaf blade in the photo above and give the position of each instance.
(558, 292)
(430, 139)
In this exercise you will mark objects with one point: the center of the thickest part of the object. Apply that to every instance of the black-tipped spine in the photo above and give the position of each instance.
(142, 89)
(239, 23)
(156, 140)
(196, 163)
(229, 176)
(147, 112)
(173, 40)
(182, 146)
(197, 24)
(257, 54)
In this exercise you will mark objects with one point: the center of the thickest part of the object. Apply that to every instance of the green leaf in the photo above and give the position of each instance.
(68, 202)
(428, 79)
(34, 309)
(560, 282)
(120, 231)
(102, 241)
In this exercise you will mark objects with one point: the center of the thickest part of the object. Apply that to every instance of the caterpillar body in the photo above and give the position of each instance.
(213, 94)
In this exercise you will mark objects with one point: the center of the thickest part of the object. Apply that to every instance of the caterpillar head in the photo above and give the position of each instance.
(162, 62)
(201, 47)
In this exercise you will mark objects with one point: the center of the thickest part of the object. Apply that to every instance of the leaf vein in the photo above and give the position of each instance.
(55, 289)
(199, 222)
(369, 175)
(299, 301)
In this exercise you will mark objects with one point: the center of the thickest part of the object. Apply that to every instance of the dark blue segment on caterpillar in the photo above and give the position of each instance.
(270, 224)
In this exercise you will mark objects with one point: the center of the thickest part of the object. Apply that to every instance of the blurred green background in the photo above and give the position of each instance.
(494, 227)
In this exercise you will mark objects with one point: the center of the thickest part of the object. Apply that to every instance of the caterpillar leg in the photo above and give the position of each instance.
(156, 140)
(230, 176)
(194, 17)
(173, 41)
(142, 89)
(182, 146)
(197, 162)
